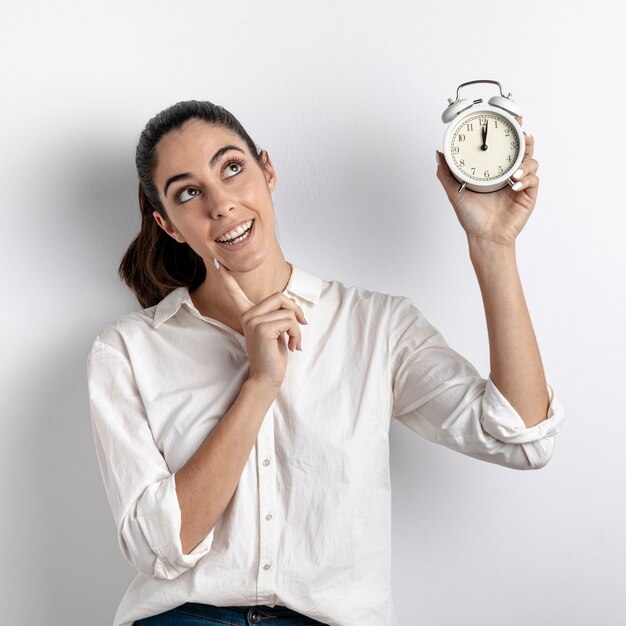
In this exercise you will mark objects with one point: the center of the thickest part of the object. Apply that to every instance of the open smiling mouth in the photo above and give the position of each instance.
(238, 238)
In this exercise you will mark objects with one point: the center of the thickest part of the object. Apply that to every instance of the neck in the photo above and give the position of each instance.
(212, 299)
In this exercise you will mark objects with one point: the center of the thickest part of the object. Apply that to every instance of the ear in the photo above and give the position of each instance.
(268, 170)
(167, 227)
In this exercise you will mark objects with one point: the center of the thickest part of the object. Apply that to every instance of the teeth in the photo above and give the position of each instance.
(238, 239)
(235, 232)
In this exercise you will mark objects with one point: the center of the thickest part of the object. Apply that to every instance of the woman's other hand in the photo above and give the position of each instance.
(496, 217)
(263, 326)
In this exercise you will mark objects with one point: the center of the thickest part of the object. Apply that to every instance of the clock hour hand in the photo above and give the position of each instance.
(484, 146)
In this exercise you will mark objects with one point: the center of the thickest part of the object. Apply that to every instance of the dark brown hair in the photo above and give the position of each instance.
(155, 263)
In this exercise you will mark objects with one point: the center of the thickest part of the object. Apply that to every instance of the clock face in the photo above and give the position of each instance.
(484, 146)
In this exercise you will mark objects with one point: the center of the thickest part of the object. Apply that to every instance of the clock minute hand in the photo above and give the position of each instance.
(485, 127)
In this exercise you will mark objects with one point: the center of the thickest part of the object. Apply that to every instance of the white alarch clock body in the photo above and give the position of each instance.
(483, 144)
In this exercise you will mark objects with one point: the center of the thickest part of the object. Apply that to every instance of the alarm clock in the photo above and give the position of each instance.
(484, 144)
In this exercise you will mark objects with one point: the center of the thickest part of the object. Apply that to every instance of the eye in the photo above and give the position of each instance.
(236, 163)
(180, 196)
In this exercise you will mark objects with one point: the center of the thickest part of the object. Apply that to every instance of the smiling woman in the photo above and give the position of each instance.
(155, 262)
(248, 474)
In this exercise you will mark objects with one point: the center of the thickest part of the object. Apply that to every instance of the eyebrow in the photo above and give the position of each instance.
(212, 162)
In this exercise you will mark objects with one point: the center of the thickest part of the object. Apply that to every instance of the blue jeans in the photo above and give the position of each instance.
(194, 614)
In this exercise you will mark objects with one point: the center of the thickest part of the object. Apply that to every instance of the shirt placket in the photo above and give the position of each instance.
(266, 466)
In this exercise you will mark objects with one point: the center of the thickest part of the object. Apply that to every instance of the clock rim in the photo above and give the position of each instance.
(495, 183)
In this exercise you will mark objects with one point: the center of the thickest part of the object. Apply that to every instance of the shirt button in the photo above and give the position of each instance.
(266, 462)
(266, 566)
(268, 517)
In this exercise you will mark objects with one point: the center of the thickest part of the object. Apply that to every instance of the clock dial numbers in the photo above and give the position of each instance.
(484, 146)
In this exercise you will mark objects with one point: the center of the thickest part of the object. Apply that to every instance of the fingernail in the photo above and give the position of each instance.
(517, 186)
(216, 263)
(528, 135)
(518, 174)
(437, 156)
(306, 321)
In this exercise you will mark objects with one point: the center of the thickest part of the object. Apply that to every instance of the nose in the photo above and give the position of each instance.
(218, 201)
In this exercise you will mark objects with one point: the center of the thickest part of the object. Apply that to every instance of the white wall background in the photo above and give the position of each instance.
(347, 98)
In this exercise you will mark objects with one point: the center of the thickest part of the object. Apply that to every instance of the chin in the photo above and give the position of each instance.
(243, 265)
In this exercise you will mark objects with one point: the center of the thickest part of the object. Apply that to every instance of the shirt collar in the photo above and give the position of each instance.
(301, 284)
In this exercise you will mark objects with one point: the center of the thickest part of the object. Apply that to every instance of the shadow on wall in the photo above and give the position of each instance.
(75, 561)
(104, 213)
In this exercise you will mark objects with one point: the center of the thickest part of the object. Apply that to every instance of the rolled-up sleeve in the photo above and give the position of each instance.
(440, 395)
(140, 488)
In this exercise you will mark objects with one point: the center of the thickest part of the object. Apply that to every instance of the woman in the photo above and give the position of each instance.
(241, 419)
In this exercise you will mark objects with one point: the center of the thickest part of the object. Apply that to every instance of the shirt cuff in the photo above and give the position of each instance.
(503, 422)
(159, 516)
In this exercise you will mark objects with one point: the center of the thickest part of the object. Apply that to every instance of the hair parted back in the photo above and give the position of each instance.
(155, 264)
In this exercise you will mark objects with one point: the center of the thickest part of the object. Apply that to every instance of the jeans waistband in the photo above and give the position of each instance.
(252, 614)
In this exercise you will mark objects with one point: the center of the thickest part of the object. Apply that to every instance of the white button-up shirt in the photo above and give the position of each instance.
(308, 526)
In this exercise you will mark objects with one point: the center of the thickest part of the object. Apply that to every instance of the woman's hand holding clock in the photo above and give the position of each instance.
(496, 217)
(264, 325)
